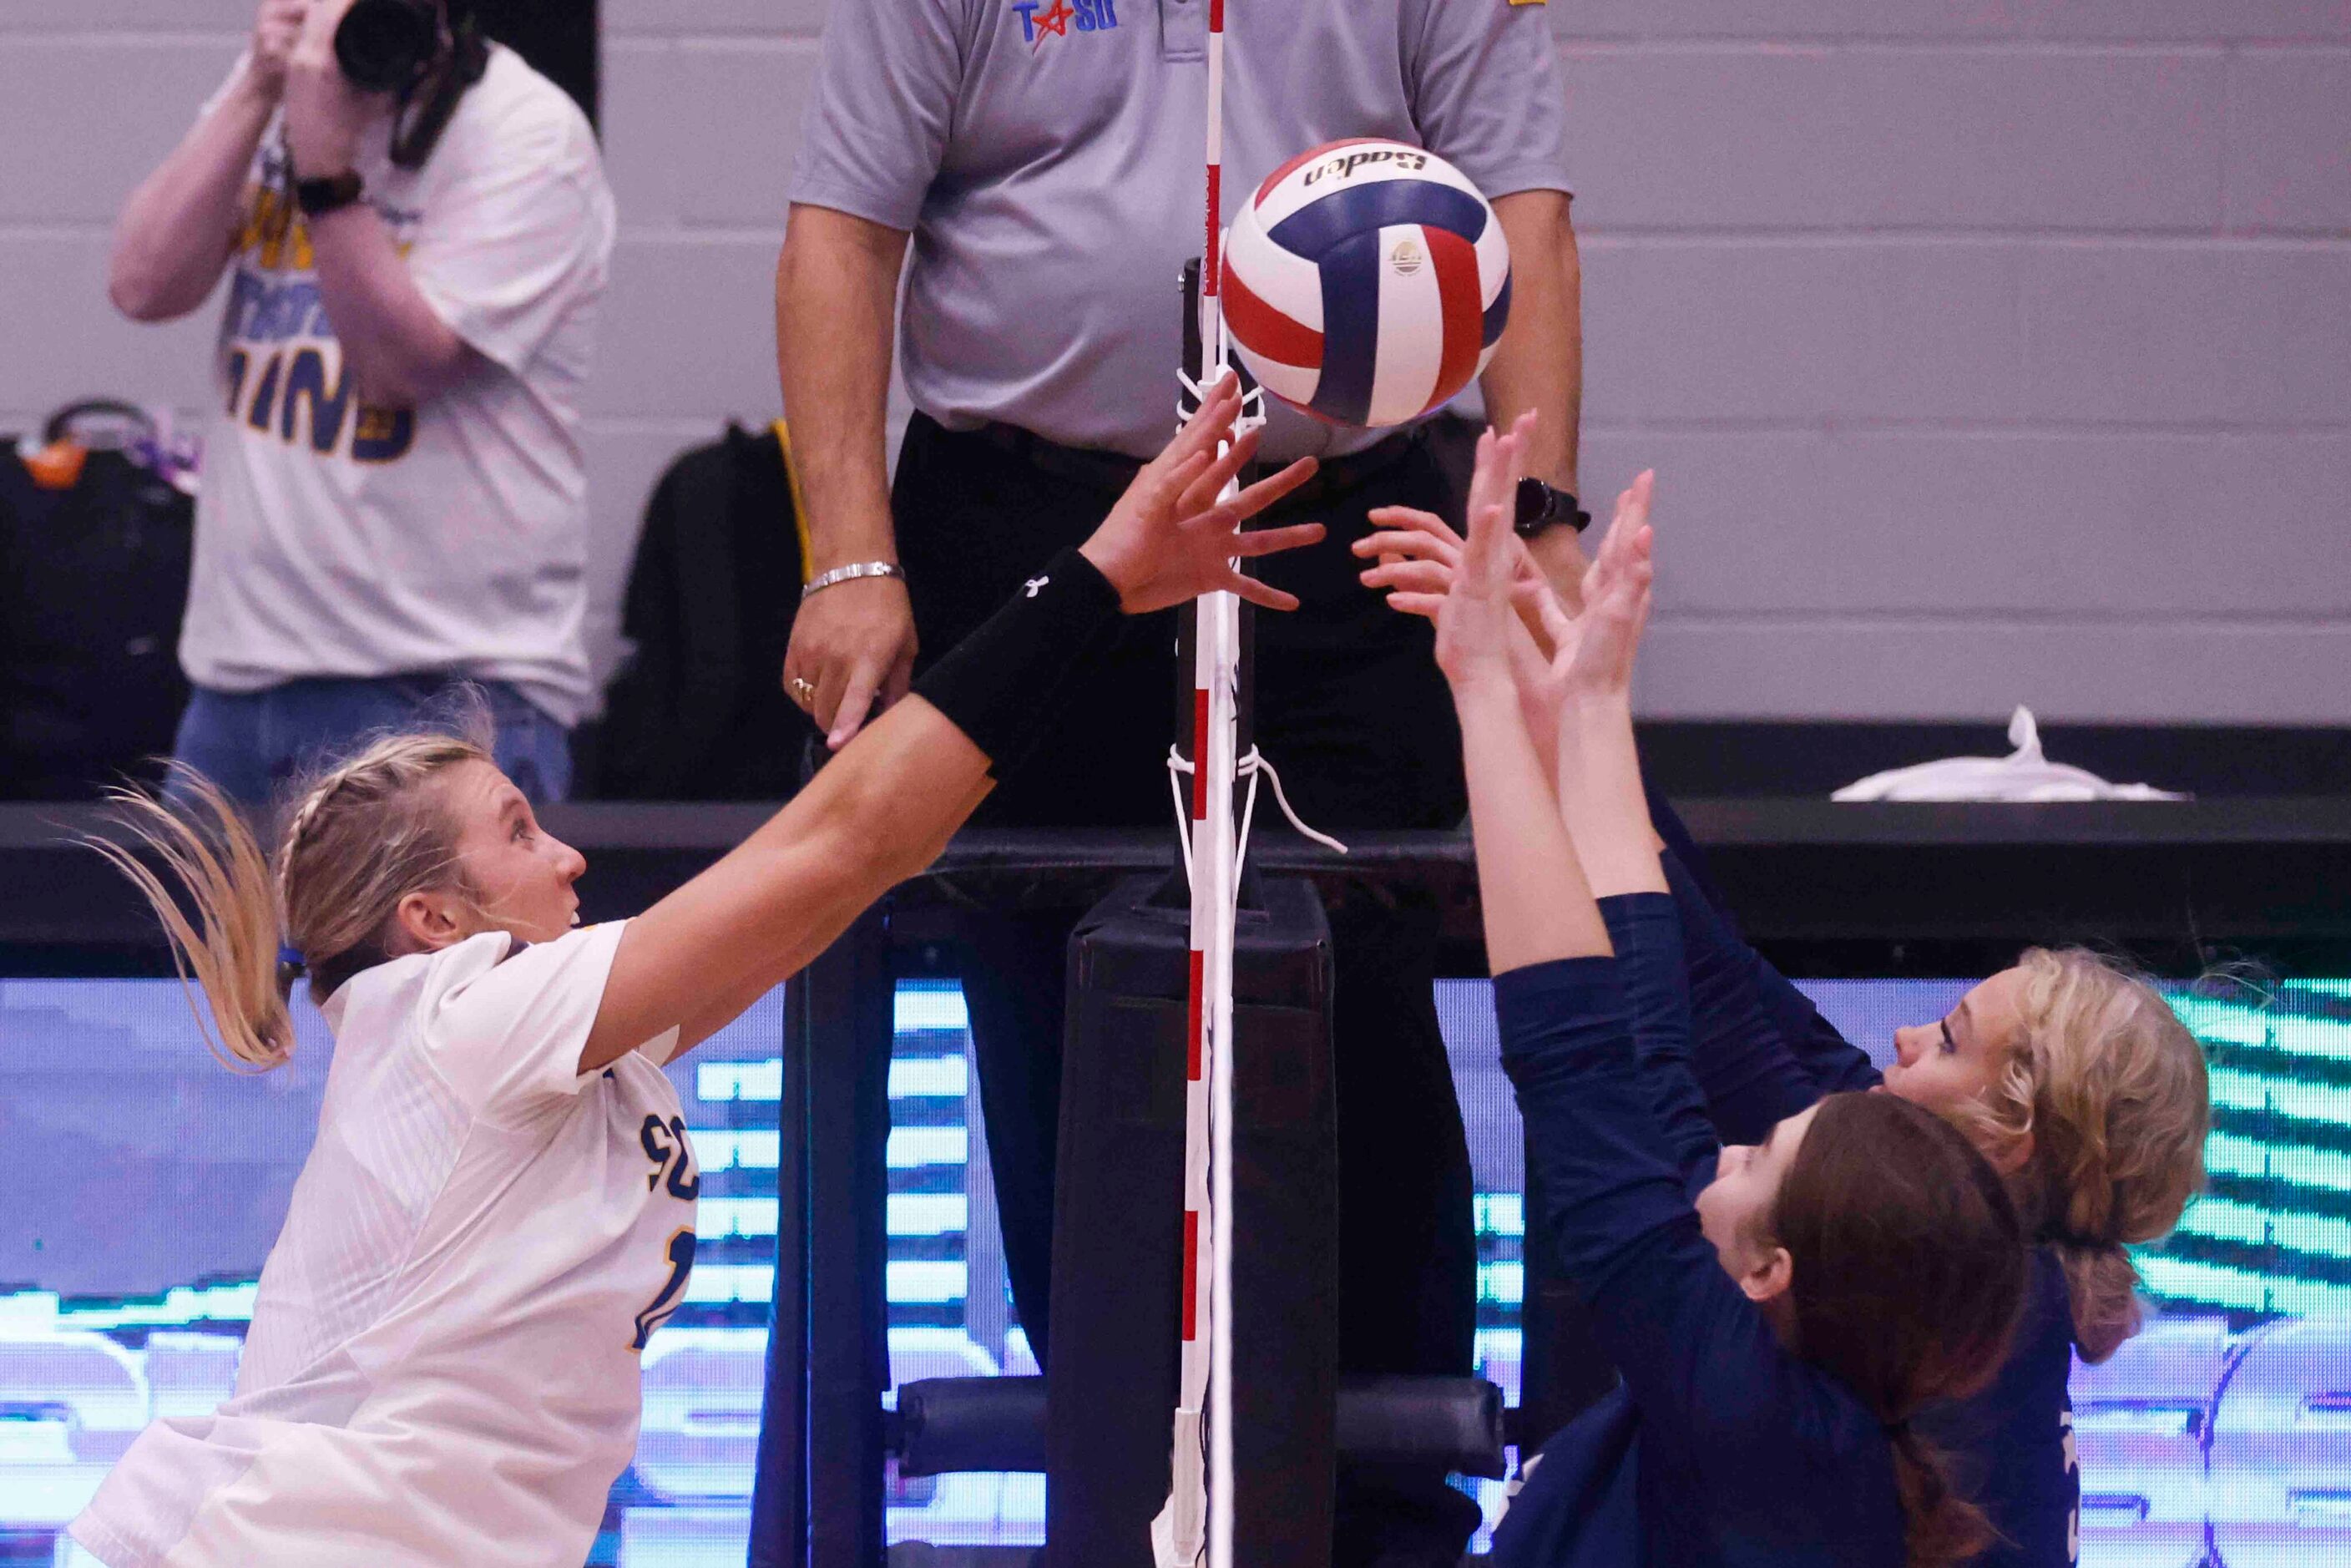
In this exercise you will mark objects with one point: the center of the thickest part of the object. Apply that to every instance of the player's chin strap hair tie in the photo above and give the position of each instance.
(2065, 1238)
(290, 966)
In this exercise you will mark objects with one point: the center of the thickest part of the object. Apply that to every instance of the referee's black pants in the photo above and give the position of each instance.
(1352, 710)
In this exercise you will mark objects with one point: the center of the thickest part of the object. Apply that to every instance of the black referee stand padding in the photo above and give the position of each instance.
(1118, 1229)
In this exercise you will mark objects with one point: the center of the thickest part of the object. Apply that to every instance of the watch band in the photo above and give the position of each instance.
(328, 193)
(1540, 506)
(851, 573)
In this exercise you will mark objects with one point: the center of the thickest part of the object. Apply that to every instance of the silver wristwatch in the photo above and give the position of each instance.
(851, 573)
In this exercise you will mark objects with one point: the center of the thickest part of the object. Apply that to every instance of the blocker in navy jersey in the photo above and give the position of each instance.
(1366, 281)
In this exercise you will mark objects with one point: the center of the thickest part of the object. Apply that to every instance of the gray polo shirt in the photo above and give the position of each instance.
(1047, 156)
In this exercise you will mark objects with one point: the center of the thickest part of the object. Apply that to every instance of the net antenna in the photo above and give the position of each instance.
(1197, 1519)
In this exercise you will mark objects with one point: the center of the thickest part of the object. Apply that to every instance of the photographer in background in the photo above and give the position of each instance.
(418, 228)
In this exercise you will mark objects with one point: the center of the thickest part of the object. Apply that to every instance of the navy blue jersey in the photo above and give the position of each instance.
(1761, 1052)
(2012, 1447)
(1721, 1447)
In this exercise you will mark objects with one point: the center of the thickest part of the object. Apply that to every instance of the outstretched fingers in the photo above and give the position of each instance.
(1408, 528)
(1222, 467)
(1258, 593)
(1486, 557)
(1422, 604)
(1195, 444)
(1411, 576)
(1273, 541)
(1257, 498)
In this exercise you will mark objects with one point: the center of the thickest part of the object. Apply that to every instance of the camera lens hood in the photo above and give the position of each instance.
(383, 46)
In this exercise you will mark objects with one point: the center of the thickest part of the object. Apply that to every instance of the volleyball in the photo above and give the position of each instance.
(1366, 281)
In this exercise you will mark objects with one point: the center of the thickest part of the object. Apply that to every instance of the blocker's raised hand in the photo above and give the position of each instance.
(1169, 540)
(1598, 661)
(1476, 619)
(1416, 553)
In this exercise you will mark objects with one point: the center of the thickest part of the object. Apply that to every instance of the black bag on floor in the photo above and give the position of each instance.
(1118, 1224)
(94, 550)
(699, 712)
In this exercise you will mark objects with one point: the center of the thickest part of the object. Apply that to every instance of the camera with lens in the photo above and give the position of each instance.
(387, 45)
(395, 46)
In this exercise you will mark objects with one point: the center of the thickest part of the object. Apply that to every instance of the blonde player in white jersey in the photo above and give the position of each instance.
(499, 1208)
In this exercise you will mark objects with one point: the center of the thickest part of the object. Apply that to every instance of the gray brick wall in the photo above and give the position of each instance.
(1991, 350)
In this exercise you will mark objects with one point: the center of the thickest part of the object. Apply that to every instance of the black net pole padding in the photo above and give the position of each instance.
(1118, 1226)
(948, 1426)
(816, 1484)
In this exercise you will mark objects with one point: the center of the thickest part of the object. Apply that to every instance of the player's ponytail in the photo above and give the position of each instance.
(1908, 1274)
(361, 837)
(1940, 1527)
(2111, 1089)
(225, 941)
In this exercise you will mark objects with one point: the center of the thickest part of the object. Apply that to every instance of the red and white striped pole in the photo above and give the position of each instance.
(1200, 1512)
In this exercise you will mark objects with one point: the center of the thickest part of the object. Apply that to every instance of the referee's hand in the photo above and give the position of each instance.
(855, 644)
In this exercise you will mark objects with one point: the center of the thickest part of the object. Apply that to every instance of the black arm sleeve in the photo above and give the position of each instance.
(1004, 684)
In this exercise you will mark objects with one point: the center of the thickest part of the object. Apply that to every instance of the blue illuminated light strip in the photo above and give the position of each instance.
(718, 1082)
(928, 1214)
(2185, 1280)
(930, 1077)
(2273, 1238)
(42, 1311)
(725, 1149)
(928, 1006)
(750, 1284)
(2226, 1220)
(939, 1077)
(2226, 1154)
(1501, 1214)
(1502, 1282)
(2241, 1090)
(913, 1146)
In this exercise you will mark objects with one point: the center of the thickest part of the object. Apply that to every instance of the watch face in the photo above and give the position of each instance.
(1534, 501)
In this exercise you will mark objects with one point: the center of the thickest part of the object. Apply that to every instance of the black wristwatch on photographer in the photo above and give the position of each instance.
(1541, 508)
(328, 193)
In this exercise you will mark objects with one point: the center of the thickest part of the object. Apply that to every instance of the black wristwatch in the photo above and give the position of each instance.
(1541, 508)
(328, 193)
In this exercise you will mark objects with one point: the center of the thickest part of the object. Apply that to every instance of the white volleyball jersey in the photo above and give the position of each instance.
(442, 1365)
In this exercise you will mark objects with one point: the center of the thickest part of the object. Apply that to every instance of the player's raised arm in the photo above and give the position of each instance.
(1537, 905)
(884, 808)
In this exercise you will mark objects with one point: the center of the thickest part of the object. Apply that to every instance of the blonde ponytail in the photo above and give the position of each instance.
(361, 837)
(229, 949)
(2102, 1282)
(2112, 1089)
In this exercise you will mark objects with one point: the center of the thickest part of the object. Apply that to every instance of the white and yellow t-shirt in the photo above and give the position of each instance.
(337, 538)
(443, 1367)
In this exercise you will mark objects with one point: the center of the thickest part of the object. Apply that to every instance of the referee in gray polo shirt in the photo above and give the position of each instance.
(1044, 157)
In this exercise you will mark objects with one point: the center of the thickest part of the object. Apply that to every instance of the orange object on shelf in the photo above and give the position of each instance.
(57, 465)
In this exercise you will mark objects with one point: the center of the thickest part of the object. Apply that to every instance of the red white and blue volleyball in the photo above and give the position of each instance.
(1366, 282)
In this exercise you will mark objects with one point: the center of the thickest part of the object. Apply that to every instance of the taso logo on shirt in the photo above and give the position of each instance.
(1043, 19)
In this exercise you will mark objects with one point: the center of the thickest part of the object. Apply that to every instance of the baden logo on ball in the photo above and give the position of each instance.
(1319, 319)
